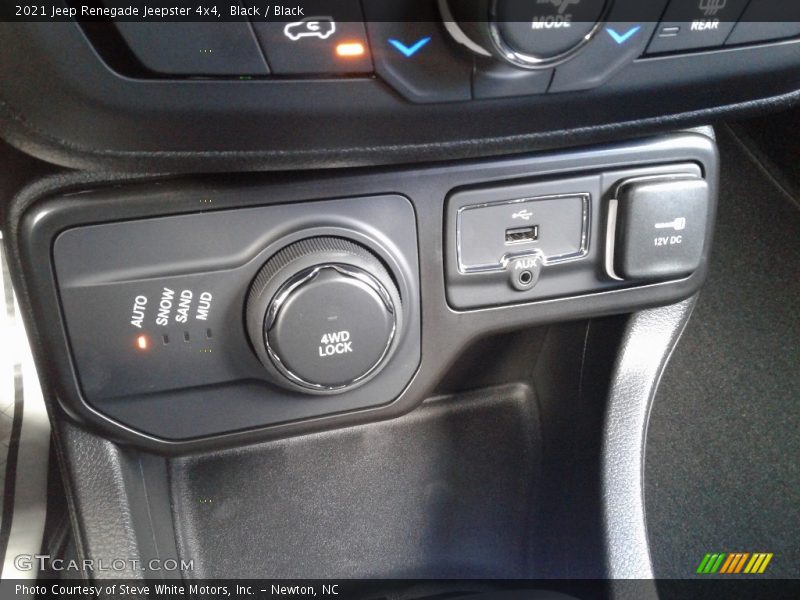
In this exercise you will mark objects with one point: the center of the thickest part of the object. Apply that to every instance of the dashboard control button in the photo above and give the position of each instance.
(630, 25)
(525, 33)
(765, 20)
(195, 48)
(538, 33)
(413, 54)
(331, 40)
(657, 227)
(692, 24)
(322, 315)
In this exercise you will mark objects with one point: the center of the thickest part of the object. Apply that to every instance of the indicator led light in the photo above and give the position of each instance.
(350, 49)
(142, 342)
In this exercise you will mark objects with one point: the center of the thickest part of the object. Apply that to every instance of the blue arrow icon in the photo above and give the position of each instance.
(409, 51)
(621, 38)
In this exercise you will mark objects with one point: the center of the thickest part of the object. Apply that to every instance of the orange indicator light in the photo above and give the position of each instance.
(350, 49)
(141, 342)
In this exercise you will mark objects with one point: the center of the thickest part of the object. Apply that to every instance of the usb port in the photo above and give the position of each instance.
(522, 235)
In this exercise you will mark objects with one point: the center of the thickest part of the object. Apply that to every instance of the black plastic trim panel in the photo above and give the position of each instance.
(80, 113)
(446, 332)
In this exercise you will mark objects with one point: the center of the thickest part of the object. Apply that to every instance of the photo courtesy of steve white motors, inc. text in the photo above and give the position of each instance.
(172, 590)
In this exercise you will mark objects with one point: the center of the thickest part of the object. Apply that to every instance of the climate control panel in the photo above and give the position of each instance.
(450, 50)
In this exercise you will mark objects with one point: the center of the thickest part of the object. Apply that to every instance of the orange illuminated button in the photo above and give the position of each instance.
(330, 39)
(347, 49)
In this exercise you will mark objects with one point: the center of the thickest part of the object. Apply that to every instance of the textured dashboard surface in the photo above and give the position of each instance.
(723, 442)
(80, 113)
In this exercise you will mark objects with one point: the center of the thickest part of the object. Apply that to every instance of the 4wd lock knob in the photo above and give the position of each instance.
(323, 315)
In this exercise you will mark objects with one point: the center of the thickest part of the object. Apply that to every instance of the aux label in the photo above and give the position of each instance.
(525, 263)
(335, 343)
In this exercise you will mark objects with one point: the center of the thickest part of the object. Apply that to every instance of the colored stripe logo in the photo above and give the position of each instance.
(734, 563)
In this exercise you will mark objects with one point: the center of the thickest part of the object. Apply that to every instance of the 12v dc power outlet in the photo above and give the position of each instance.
(656, 227)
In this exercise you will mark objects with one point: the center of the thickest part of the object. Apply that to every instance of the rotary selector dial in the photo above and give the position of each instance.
(529, 34)
(323, 315)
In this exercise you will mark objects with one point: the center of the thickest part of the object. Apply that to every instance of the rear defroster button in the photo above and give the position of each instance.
(323, 315)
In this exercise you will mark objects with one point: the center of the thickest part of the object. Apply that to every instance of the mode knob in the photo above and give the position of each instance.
(323, 315)
(530, 34)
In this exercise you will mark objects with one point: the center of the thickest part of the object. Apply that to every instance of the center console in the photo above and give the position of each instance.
(205, 311)
(384, 289)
